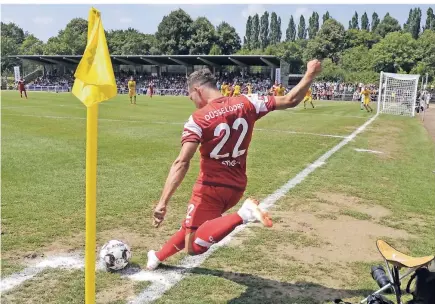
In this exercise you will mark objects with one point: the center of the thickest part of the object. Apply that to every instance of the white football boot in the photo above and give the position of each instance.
(153, 262)
(251, 212)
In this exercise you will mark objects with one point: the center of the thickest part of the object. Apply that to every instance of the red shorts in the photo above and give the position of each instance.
(209, 202)
(151, 92)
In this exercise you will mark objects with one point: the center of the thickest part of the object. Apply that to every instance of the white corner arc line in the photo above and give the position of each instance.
(66, 261)
(163, 280)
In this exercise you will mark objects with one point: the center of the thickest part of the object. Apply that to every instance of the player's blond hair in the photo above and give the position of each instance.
(201, 78)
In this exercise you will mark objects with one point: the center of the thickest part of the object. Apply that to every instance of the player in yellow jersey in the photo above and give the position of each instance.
(249, 88)
(308, 97)
(229, 90)
(280, 90)
(366, 93)
(236, 90)
(224, 88)
(132, 90)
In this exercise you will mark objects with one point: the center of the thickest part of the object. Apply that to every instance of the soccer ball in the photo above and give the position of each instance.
(115, 255)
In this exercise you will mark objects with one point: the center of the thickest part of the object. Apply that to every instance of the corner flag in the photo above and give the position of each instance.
(94, 83)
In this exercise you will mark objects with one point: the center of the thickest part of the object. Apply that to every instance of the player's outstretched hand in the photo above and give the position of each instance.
(159, 214)
(314, 67)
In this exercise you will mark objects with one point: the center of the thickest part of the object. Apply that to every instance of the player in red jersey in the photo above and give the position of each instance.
(22, 88)
(222, 128)
(151, 89)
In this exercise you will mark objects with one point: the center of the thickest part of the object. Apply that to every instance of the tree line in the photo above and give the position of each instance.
(357, 53)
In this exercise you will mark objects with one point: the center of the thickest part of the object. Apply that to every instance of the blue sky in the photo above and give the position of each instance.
(45, 21)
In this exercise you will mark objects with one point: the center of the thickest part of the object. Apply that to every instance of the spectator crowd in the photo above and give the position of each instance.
(176, 84)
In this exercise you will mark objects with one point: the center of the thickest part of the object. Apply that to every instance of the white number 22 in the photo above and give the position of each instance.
(225, 127)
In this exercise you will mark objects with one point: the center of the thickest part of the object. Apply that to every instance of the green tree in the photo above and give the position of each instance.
(375, 21)
(227, 39)
(55, 46)
(325, 17)
(247, 42)
(328, 43)
(354, 38)
(425, 54)
(331, 71)
(313, 25)
(264, 30)
(396, 52)
(412, 25)
(31, 46)
(274, 29)
(290, 34)
(75, 35)
(12, 36)
(173, 33)
(130, 42)
(365, 22)
(215, 50)
(354, 23)
(279, 30)
(430, 20)
(255, 36)
(387, 25)
(302, 32)
(291, 52)
(203, 36)
(13, 31)
(357, 59)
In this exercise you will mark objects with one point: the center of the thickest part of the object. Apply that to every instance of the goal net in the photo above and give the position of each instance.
(397, 94)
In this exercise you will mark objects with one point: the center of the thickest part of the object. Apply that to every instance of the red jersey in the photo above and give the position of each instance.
(21, 85)
(224, 129)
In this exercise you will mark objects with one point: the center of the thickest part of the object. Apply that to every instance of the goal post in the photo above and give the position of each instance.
(397, 94)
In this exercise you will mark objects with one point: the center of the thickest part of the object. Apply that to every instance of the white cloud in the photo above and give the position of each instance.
(253, 9)
(306, 12)
(42, 20)
(125, 20)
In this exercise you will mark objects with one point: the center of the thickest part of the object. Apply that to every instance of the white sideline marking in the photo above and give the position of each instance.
(68, 262)
(163, 280)
(370, 151)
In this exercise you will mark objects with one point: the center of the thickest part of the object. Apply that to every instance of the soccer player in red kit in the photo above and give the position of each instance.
(151, 89)
(22, 88)
(222, 128)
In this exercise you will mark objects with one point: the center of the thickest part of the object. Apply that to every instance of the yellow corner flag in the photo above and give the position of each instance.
(94, 83)
(95, 80)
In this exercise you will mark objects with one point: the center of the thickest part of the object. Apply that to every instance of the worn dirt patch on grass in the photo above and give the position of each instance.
(124, 289)
(337, 201)
(429, 121)
(345, 239)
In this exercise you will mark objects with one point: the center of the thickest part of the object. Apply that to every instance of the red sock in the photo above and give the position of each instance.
(174, 245)
(214, 231)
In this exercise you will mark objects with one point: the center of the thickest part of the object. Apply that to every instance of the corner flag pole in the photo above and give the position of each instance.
(94, 83)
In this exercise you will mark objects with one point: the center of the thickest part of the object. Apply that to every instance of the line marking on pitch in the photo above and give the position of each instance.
(163, 280)
(369, 151)
(65, 261)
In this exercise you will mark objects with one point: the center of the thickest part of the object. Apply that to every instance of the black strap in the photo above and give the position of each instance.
(410, 281)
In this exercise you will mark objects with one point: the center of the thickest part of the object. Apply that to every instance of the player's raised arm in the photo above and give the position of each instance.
(176, 175)
(297, 94)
